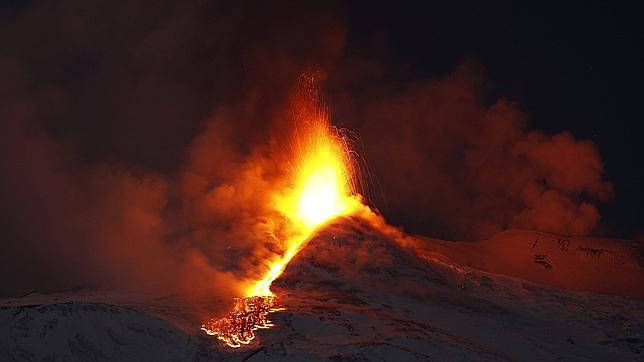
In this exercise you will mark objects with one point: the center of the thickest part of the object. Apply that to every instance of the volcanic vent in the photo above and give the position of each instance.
(320, 186)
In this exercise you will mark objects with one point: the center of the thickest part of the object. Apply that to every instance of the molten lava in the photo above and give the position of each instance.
(239, 326)
(321, 188)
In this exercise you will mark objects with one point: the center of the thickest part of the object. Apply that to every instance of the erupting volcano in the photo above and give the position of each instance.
(321, 186)
(320, 181)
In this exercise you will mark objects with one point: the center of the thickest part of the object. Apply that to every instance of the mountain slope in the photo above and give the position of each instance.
(357, 291)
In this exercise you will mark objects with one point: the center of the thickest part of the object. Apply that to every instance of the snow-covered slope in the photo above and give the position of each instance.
(580, 263)
(77, 331)
(353, 293)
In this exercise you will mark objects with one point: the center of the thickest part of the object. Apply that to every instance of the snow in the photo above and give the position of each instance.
(353, 293)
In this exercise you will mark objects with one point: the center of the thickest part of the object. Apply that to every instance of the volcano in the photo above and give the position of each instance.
(325, 277)
(320, 180)
(360, 290)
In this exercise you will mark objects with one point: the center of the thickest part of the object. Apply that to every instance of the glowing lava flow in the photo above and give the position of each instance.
(321, 189)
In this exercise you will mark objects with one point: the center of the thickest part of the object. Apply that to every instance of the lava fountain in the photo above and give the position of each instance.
(321, 187)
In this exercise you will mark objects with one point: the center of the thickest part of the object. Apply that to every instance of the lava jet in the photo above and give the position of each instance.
(322, 187)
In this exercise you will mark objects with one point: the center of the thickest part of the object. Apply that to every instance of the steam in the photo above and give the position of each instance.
(137, 142)
(452, 166)
(135, 152)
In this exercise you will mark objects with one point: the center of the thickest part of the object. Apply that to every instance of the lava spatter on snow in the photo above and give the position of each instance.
(239, 326)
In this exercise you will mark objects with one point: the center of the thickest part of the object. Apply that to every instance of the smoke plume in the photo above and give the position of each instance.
(138, 141)
(449, 164)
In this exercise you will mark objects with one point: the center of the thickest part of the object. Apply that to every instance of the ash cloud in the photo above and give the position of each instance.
(137, 141)
(451, 165)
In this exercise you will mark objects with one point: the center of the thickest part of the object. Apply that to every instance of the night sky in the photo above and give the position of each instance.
(140, 121)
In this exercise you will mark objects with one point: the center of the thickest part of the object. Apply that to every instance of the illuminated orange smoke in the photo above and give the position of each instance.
(321, 188)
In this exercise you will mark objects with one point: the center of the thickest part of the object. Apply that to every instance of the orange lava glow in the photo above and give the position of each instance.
(321, 188)
(239, 326)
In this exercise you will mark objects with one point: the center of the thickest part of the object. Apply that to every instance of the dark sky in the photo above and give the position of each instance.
(576, 66)
(137, 138)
